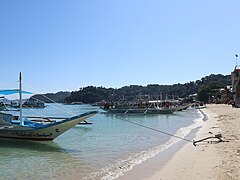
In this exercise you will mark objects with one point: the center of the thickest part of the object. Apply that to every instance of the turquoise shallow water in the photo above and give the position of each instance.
(104, 150)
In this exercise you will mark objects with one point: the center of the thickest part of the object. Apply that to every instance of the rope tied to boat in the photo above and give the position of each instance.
(157, 130)
(217, 136)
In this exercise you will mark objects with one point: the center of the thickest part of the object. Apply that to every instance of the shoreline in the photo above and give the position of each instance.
(206, 160)
(200, 162)
(145, 170)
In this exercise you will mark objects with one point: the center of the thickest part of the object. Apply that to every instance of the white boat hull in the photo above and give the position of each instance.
(46, 132)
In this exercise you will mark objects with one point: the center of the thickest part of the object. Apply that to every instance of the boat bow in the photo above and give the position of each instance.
(42, 132)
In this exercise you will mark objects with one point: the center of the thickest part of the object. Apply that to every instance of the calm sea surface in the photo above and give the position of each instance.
(104, 150)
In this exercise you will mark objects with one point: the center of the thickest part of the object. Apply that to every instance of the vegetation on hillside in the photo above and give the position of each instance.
(204, 88)
(58, 97)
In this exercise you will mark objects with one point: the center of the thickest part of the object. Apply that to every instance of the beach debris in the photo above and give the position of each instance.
(238, 152)
(217, 136)
(214, 127)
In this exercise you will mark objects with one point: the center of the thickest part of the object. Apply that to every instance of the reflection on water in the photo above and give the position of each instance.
(37, 160)
(49, 146)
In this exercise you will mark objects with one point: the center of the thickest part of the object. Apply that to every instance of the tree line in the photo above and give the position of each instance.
(58, 97)
(204, 89)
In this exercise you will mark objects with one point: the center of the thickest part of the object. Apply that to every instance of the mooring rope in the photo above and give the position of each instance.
(156, 130)
(60, 107)
(217, 136)
(57, 105)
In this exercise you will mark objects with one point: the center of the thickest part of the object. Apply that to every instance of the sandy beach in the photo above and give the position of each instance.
(208, 160)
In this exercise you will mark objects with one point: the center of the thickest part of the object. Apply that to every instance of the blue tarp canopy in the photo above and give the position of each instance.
(13, 91)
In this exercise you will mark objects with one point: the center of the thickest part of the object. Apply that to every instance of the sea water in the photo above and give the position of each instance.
(107, 149)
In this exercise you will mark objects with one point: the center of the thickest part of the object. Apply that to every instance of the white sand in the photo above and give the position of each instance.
(208, 161)
(215, 161)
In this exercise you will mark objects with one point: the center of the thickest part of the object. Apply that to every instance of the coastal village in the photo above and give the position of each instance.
(235, 89)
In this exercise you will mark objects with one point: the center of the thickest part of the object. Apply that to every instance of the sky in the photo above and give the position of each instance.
(63, 45)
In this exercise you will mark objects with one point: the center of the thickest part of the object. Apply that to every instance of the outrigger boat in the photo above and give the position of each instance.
(40, 130)
(145, 110)
(140, 111)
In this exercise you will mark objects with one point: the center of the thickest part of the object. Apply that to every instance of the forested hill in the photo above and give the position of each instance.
(58, 97)
(91, 94)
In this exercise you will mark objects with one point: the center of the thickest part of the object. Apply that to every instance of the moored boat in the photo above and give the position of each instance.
(150, 107)
(140, 111)
(30, 130)
(44, 129)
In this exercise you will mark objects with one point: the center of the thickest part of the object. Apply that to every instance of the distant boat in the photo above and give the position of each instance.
(74, 103)
(140, 111)
(43, 129)
(152, 109)
(30, 103)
